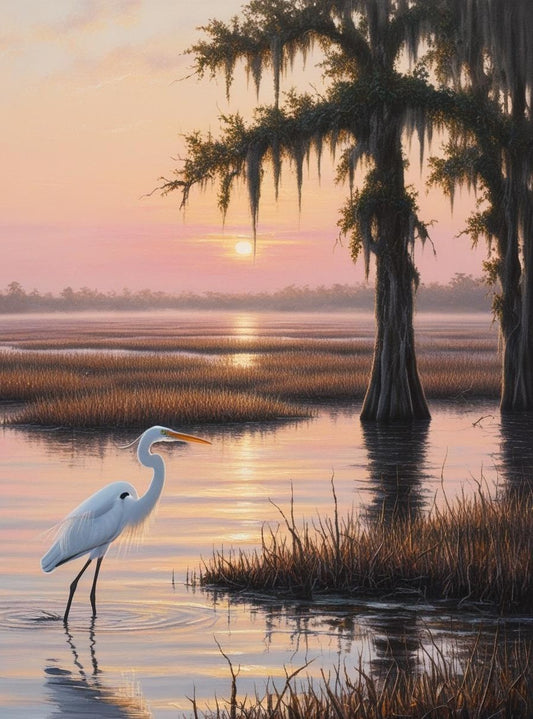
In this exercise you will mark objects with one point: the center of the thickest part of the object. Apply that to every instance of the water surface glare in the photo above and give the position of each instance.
(154, 641)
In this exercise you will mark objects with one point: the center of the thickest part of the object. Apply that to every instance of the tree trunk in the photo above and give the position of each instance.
(517, 380)
(524, 393)
(395, 391)
(511, 332)
(516, 311)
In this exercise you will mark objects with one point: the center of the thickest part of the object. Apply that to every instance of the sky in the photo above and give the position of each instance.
(96, 98)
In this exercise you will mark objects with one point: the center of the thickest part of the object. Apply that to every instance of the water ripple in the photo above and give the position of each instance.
(127, 617)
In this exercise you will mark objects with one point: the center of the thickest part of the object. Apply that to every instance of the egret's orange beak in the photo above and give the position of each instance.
(185, 437)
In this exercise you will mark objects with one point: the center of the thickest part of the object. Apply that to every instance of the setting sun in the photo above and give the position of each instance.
(244, 247)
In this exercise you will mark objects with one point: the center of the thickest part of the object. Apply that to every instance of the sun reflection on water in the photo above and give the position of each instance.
(245, 326)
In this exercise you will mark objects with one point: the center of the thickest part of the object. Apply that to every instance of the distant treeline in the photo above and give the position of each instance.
(462, 293)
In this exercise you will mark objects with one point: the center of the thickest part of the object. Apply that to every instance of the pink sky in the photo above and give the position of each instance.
(94, 106)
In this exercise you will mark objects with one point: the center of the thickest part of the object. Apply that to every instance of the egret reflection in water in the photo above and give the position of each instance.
(85, 694)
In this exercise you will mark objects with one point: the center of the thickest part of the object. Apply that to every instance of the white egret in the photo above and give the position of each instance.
(100, 519)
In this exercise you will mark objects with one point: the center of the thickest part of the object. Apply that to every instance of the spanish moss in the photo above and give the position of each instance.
(491, 151)
(367, 113)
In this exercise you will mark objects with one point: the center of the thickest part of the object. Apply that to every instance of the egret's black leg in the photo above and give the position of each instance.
(93, 590)
(73, 589)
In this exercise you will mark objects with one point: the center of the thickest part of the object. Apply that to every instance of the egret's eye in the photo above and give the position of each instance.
(124, 495)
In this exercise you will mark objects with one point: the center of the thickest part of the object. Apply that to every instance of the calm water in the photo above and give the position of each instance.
(154, 643)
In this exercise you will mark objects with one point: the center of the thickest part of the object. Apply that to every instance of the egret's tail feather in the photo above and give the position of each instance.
(51, 559)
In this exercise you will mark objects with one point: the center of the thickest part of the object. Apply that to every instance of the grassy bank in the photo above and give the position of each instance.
(227, 379)
(475, 552)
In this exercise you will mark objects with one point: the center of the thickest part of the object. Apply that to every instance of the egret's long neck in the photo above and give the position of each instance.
(147, 502)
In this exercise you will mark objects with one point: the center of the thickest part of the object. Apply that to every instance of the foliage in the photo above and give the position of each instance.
(484, 52)
(461, 293)
(360, 216)
(360, 45)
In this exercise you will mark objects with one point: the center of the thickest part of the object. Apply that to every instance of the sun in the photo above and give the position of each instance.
(243, 247)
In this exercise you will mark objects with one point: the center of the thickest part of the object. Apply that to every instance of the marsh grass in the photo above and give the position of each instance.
(476, 551)
(103, 389)
(487, 682)
(123, 381)
(202, 345)
(460, 374)
(130, 407)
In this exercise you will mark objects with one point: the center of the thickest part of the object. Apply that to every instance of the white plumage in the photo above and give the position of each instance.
(94, 524)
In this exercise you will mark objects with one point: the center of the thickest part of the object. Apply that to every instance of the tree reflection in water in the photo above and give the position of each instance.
(516, 452)
(83, 694)
(397, 469)
(397, 641)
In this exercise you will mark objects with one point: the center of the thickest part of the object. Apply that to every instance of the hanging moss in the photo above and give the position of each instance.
(491, 150)
(364, 114)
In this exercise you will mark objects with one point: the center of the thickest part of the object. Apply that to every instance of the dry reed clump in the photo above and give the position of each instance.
(477, 551)
(488, 682)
